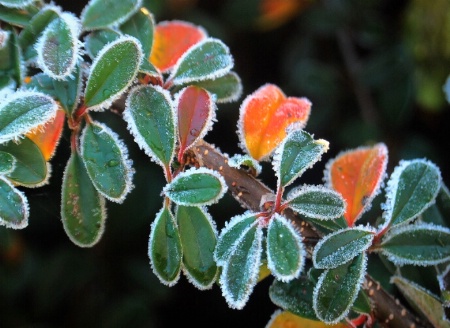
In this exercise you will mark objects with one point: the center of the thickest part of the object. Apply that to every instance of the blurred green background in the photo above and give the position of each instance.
(374, 71)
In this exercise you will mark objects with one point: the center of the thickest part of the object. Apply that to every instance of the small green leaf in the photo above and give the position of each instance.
(153, 127)
(206, 60)
(341, 246)
(411, 189)
(245, 162)
(13, 206)
(112, 72)
(327, 226)
(23, 111)
(285, 251)
(240, 273)
(15, 16)
(316, 202)
(298, 152)
(196, 187)
(106, 13)
(10, 57)
(68, 92)
(82, 207)
(97, 40)
(337, 289)
(164, 248)
(420, 244)
(16, 3)
(141, 26)
(230, 235)
(30, 168)
(106, 160)
(443, 201)
(422, 301)
(198, 239)
(7, 163)
(58, 49)
(362, 303)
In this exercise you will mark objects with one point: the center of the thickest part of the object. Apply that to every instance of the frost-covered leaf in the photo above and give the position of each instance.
(265, 116)
(443, 201)
(97, 40)
(420, 244)
(422, 301)
(196, 113)
(362, 303)
(112, 72)
(11, 66)
(106, 159)
(412, 188)
(245, 162)
(164, 248)
(357, 175)
(16, 3)
(14, 210)
(286, 319)
(23, 111)
(198, 239)
(316, 202)
(341, 246)
(141, 26)
(171, 40)
(298, 152)
(7, 163)
(30, 169)
(285, 250)
(100, 14)
(327, 226)
(196, 187)
(151, 119)
(16, 16)
(240, 272)
(337, 289)
(58, 48)
(208, 59)
(82, 207)
(444, 285)
(231, 234)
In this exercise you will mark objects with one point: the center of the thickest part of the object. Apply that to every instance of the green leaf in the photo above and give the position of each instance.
(7, 163)
(82, 207)
(13, 206)
(196, 187)
(422, 301)
(153, 127)
(16, 3)
(198, 239)
(68, 92)
(141, 26)
(10, 57)
(337, 289)
(106, 13)
(106, 159)
(240, 273)
(23, 111)
(298, 152)
(112, 72)
(245, 162)
(206, 60)
(15, 16)
(316, 202)
(30, 170)
(327, 226)
(411, 189)
(341, 246)
(285, 250)
(230, 235)
(419, 244)
(362, 303)
(164, 248)
(96, 40)
(443, 202)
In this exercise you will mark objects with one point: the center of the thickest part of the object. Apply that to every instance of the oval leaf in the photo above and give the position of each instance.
(196, 187)
(316, 202)
(16, 3)
(16, 16)
(411, 189)
(198, 236)
(341, 246)
(23, 111)
(337, 289)
(97, 40)
(164, 248)
(264, 117)
(285, 251)
(105, 13)
(357, 175)
(82, 208)
(112, 72)
(106, 159)
(14, 210)
(208, 59)
(141, 26)
(153, 127)
(7, 163)
(424, 244)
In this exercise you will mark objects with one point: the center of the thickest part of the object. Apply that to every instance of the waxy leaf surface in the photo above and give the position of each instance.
(7, 163)
(15, 16)
(13, 206)
(106, 13)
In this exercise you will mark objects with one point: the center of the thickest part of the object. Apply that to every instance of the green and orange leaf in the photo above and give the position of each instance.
(171, 40)
(286, 319)
(357, 175)
(265, 116)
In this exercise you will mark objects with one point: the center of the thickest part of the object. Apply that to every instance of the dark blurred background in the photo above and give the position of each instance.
(374, 71)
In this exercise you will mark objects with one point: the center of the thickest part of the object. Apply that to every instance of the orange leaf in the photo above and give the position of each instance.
(357, 174)
(171, 39)
(47, 137)
(264, 117)
(285, 319)
(276, 12)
